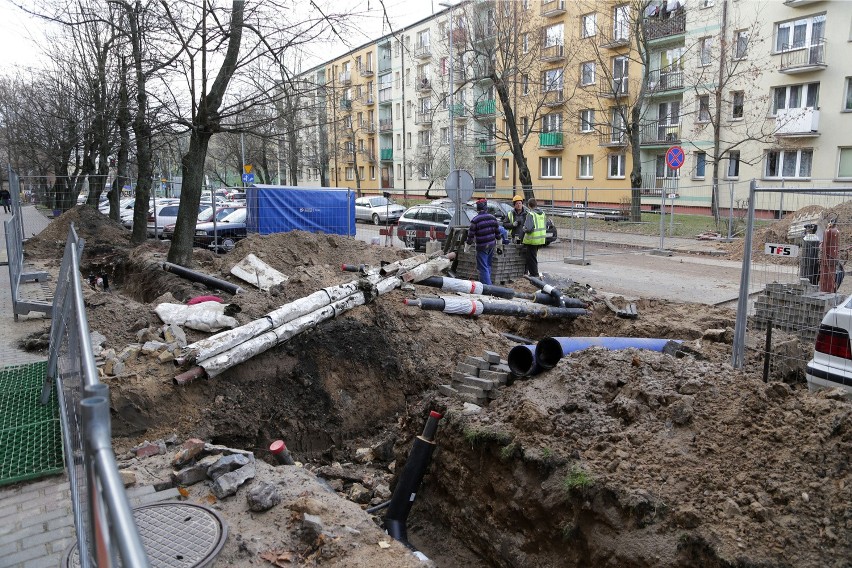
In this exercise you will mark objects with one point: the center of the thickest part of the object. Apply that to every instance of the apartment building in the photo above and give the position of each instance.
(749, 89)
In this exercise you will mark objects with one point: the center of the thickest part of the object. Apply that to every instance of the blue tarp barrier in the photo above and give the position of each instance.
(277, 209)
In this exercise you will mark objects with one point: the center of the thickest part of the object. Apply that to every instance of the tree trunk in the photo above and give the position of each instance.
(636, 165)
(123, 122)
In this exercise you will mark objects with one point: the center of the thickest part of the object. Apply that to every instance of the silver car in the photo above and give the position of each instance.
(377, 209)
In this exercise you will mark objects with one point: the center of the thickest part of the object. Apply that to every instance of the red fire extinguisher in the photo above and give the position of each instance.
(828, 258)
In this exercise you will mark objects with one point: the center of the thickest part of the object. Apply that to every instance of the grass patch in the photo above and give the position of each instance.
(577, 479)
(480, 437)
(683, 225)
(507, 451)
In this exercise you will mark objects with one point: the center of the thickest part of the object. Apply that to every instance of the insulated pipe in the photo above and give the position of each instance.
(280, 452)
(448, 284)
(550, 350)
(410, 480)
(544, 286)
(522, 361)
(210, 281)
(475, 307)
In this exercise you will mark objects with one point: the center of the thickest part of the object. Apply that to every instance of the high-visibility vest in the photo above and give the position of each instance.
(537, 236)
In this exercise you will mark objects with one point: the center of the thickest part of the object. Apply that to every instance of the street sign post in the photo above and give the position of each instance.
(459, 187)
(248, 178)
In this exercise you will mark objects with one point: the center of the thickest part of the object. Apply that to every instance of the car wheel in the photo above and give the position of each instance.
(228, 245)
(376, 219)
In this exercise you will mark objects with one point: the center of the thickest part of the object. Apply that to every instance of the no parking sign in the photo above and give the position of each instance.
(675, 157)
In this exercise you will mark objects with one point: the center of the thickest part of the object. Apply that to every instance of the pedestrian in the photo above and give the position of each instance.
(5, 200)
(516, 217)
(535, 233)
(484, 231)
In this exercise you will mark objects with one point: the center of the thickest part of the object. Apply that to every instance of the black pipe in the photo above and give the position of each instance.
(210, 281)
(544, 286)
(522, 361)
(767, 351)
(486, 289)
(476, 307)
(410, 480)
(518, 339)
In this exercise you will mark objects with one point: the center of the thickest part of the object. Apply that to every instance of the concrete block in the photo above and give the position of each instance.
(475, 391)
(483, 384)
(492, 357)
(477, 362)
(447, 390)
(492, 394)
(503, 367)
(467, 369)
(501, 378)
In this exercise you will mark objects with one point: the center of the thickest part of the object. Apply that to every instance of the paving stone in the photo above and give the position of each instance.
(501, 378)
(477, 362)
(483, 384)
(467, 369)
(447, 390)
(474, 391)
(492, 357)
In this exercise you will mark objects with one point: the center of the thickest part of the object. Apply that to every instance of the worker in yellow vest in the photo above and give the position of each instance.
(535, 232)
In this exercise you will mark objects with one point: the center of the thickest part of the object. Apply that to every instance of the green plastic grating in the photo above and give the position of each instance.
(30, 436)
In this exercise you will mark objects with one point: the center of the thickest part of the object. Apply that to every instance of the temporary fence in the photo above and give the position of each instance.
(106, 530)
(796, 248)
(14, 230)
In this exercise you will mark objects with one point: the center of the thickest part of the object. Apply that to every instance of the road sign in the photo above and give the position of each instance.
(459, 187)
(247, 168)
(248, 178)
(675, 157)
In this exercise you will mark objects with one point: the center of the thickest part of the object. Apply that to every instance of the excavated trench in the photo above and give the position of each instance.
(610, 459)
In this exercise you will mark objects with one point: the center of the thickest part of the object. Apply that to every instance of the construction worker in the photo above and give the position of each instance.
(485, 232)
(534, 235)
(516, 217)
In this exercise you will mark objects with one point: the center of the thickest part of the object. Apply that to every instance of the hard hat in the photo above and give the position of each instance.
(517, 198)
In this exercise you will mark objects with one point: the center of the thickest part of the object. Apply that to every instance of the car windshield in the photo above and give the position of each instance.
(238, 216)
(379, 202)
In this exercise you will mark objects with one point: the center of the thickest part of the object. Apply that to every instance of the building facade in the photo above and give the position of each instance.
(750, 89)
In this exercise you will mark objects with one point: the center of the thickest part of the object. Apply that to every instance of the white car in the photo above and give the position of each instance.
(832, 362)
(377, 209)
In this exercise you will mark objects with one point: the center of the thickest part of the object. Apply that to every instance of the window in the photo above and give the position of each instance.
(423, 39)
(525, 125)
(461, 134)
(525, 84)
(445, 135)
(795, 96)
(551, 167)
(409, 140)
(740, 44)
(704, 108)
(552, 80)
(425, 170)
(615, 167)
(707, 3)
(399, 171)
(705, 45)
(360, 172)
(372, 172)
(700, 165)
(621, 23)
(585, 167)
(554, 35)
(399, 141)
(350, 173)
(588, 25)
(525, 42)
(663, 170)
(799, 34)
(424, 138)
(789, 163)
(491, 168)
(619, 75)
(847, 105)
(587, 120)
(733, 164)
(737, 104)
(844, 163)
(551, 122)
(587, 73)
(505, 168)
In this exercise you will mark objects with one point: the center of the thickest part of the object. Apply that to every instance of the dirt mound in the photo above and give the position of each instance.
(99, 231)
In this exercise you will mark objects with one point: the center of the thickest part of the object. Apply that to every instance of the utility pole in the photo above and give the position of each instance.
(453, 171)
(243, 153)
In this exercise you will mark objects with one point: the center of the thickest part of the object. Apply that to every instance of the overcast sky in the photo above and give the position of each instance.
(21, 36)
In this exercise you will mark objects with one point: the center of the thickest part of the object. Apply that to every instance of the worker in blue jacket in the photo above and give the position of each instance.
(484, 231)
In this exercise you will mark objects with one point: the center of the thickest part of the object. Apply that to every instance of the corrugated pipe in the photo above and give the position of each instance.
(205, 279)
(550, 350)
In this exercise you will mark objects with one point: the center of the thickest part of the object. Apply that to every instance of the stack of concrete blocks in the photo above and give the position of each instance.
(506, 267)
(478, 379)
(796, 308)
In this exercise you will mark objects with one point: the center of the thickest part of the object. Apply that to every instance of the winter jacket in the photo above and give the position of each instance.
(515, 222)
(484, 231)
(535, 228)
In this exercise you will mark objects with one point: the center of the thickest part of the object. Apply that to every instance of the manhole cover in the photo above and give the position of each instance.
(174, 535)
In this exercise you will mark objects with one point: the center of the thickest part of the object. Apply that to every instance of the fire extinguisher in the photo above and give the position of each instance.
(828, 259)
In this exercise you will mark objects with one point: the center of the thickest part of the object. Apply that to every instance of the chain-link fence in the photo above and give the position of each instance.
(103, 519)
(795, 256)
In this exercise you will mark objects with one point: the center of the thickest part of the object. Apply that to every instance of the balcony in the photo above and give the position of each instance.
(487, 148)
(485, 108)
(652, 185)
(803, 58)
(369, 99)
(484, 183)
(423, 118)
(423, 51)
(554, 97)
(344, 78)
(659, 133)
(385, 63)
(385, 96)
(613, 39)
(798, 3)
(423, 149)
(797, 122)
(665, 79)
(552, 53)
(660, 29)
(423, 84)
(345, 104)
(550, 141)
(365, 71)
(611, 136)
(385, 124)
(368, 128)
(458, 112)
(552, 8)
(613, 88)
(460, 75)
(369, 155)
(386, 154)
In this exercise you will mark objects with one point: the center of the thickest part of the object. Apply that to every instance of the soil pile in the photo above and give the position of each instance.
(611, 459)
(101, 234)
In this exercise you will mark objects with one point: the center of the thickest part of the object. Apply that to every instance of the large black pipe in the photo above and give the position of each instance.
(410, 480)
(550, 350)
(522, 361)
(464, 306)
(544, 286)
(210, 281)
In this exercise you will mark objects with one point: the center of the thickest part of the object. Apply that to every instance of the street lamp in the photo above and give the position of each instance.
(457, 216)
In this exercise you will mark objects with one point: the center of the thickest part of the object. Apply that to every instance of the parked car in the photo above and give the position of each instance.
(166, 214)
(225, 234)
(831, 365)
(500, 209)
(205, 216)
(377, 209)
(416, 223)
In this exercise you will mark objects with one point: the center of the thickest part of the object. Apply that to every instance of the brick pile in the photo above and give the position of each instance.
(507, 267)
(478, 379)
(796, 308)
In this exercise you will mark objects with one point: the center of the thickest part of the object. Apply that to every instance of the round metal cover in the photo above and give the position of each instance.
(175, 535)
